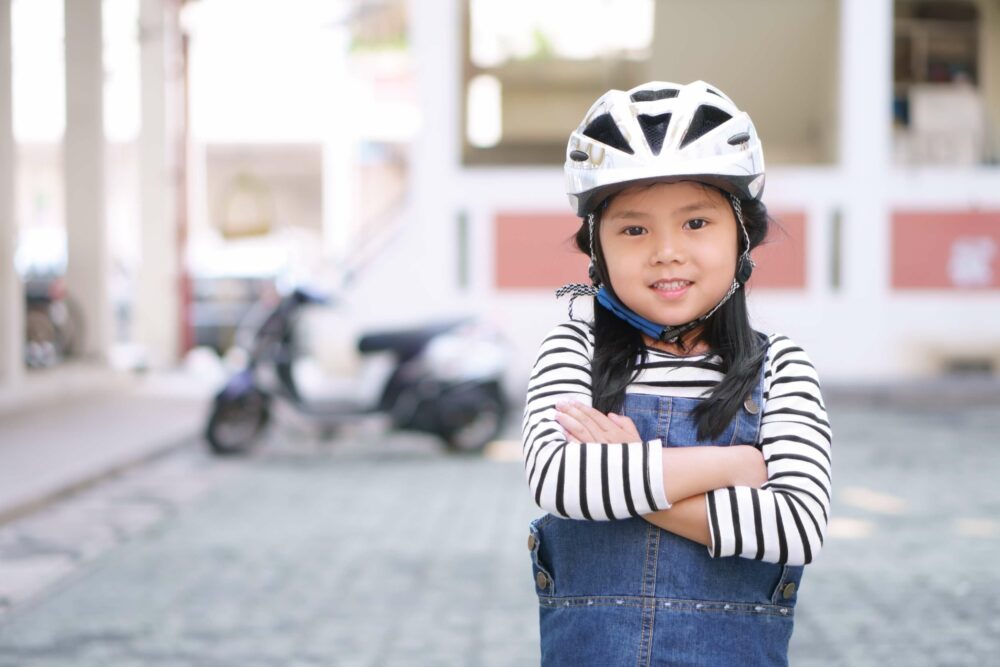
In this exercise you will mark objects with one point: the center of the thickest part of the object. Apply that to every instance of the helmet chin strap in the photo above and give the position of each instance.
(658, 332)
(661, 332)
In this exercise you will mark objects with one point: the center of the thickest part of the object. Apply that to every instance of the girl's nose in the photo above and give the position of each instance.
(667, 249)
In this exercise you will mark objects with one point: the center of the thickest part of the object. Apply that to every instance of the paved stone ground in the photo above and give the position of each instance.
(38, 550)
(911, 572)
(393, 553)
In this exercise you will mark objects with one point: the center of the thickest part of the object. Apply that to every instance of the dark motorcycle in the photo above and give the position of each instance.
(444, 379)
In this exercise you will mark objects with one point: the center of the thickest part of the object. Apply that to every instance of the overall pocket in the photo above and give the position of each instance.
(540, 571)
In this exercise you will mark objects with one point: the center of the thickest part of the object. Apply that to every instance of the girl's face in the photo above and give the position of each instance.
(670, 249)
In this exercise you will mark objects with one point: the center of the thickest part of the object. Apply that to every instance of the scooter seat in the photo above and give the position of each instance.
(406, 342)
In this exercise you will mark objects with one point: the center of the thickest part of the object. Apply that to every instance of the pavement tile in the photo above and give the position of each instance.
(375, 554)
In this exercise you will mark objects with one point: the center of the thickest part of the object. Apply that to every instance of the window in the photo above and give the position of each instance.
(943, 67)
(532, 69)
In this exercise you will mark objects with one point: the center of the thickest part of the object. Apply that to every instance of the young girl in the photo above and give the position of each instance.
(684, 458)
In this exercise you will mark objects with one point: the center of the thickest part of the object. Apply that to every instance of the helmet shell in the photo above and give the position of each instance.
(662, 132)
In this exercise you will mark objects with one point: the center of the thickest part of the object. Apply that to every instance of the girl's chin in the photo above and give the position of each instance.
(672, 319)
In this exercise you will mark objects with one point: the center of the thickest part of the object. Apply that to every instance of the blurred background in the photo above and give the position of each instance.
(173, 171)
(164, 177)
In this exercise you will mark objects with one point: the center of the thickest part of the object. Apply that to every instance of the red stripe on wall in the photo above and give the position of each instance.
(781, 259)
(537, 251)
(946, 250)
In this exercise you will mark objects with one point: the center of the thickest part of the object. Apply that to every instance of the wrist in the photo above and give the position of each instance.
(734, 463)
(747, 467)
(690, 471)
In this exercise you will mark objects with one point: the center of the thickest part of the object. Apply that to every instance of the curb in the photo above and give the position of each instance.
(26, 507)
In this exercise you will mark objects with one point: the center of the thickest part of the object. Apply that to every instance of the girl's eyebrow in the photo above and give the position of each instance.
(696, 206)
(630, 215)
(704, 205)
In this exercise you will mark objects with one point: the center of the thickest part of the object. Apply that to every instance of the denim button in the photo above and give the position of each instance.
(531, 542)
(751, 406)
(789, 590)
(542, 580)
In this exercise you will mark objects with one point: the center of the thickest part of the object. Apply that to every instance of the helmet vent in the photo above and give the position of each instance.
(605, 130)
(706, 118)
(653, 95)
(714, 92)
(655, 128)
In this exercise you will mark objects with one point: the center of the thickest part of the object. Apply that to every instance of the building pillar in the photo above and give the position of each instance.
(428, 264)
(158, 297)
(11, 289)
(866, 161)
(84, 159)
(417, 270)
(341, 156)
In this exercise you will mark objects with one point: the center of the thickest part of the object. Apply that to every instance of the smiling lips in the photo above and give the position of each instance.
(671, 289)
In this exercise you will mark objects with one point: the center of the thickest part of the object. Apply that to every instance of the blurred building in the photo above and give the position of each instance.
(881, 127)
(171, 161)
(420, 144)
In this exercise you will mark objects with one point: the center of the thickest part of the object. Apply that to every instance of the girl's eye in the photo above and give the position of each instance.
(696, 223)
(627, 231)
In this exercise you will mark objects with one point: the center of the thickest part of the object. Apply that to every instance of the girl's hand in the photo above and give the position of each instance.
(586, 424)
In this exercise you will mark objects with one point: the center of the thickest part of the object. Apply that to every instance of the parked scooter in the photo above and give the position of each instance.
(445, 380)
(52, 322)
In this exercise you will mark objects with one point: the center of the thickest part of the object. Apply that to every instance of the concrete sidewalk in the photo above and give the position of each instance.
(78, 425)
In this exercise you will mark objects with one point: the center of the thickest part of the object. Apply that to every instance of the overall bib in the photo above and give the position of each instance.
(626, 592)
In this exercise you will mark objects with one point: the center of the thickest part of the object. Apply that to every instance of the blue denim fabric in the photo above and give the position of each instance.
(625, 592)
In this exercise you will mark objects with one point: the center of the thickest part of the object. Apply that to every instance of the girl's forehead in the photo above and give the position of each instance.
(667, 197)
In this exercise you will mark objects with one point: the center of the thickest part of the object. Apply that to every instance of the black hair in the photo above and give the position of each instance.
(619, 347)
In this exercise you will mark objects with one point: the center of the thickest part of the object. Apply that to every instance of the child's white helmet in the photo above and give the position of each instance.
(662, 131)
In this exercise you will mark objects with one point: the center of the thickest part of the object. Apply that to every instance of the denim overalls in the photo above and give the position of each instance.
(626, 592)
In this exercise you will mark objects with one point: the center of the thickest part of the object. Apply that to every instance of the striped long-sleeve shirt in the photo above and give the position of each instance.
(782, 522)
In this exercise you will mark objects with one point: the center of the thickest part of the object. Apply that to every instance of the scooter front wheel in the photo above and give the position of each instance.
(472, 419)
(236, 424)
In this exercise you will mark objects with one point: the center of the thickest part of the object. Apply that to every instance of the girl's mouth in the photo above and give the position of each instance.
(671, 289)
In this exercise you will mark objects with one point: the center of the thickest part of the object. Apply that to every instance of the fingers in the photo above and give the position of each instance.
(626, 425)
(593, 420)
(574, 429)
(591, 425)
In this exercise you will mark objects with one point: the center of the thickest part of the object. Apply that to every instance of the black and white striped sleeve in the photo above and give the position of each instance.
(593, 480)
(785, 520)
